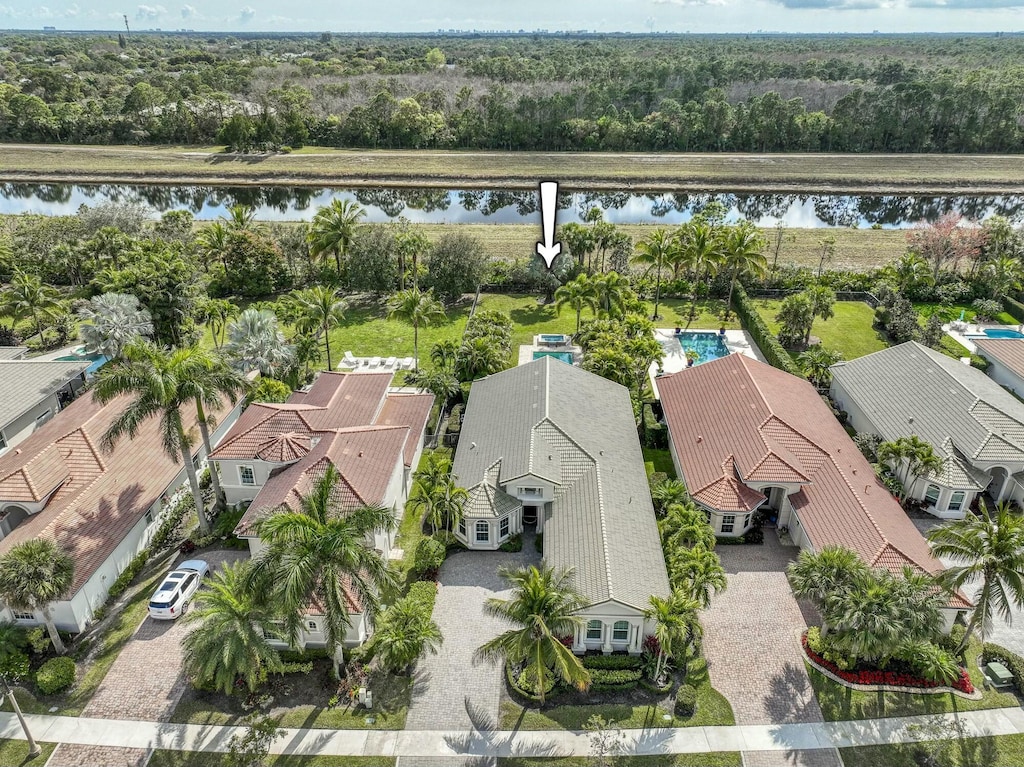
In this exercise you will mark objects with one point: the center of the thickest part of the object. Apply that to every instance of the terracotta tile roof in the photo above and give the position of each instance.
(285, 448)
(727, 493)
(410, 410)
(774, 468)
(103, 495)
(1007, 351)
(739, 406)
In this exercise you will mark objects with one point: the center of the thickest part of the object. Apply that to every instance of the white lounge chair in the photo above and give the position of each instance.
(374, 362)
(350, 360)
(391, 362)
(407, 363)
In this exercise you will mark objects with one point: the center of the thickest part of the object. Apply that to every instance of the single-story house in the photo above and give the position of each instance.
(1005, 361)
(971, 422)
(746, 436)
(371, 433)
(550, 447)
(33, 391)
(101, 507)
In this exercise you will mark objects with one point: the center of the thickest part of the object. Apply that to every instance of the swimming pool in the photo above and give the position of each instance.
(96, 360)
(553, 339)
(563, 356)
(708, 346)
(1000, 333)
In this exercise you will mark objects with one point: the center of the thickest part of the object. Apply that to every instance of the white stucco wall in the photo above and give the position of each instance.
(609, 613)
(1003, 376)
(494, 539)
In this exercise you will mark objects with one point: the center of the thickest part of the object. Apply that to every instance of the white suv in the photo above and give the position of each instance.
(171, 600)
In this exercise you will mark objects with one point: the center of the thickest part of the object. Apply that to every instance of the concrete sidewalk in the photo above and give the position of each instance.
(550, 743)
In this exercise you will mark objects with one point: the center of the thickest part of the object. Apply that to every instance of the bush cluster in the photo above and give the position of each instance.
(765, 340)
(513, 544)
(686, 701)
(614, 680)
(55, 675)
(993, 653)
(612, 662)
(428, 557)
(124, 580)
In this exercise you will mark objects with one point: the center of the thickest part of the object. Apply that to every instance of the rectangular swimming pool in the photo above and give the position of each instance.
(563, 356)
(707, 345)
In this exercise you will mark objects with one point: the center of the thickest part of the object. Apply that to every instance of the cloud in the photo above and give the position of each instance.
(7, 12)
(189, 12)
(965, 5)
(72, 10)
(690, 3)
(150, 12)
(246, 14)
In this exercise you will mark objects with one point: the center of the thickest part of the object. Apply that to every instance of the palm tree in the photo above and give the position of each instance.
(449, 503)
(675, 626)
(240, 217)
(159, 383)
(816, 363)
(219, 312)
(444, 353)
(478, 357)
(255, 342)
(822, 575)
(697, 572)
(27, 296)
(333, 228)
(668, 493)
(441, 383)
(426, 489)
(579, 294)
(742, 255)
(612, 292)
(700, 251)
(111, 321)
(909, 271)
(319, 553)
(212, 240)
(544, 608)
(991, 550)
(1003, 274)
(822, 300)
(417, 309)
(685, 526)
(913, 458)
(318, 310)
(33, 575)
(228, 641)
(658, 249)
(402, 634)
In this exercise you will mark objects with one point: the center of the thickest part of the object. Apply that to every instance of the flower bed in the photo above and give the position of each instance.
(887, 679)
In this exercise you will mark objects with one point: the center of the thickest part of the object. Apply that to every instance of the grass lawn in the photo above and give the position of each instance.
(839, 703)
(164, 758)
(715, 759)
(950, 312)
(712, 709)
(991, 751)
(849, 331)
(14, 753)
(662, 460)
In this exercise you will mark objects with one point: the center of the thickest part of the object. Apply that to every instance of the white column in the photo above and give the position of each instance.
(606, 647)
(577, 642)
(637, 633)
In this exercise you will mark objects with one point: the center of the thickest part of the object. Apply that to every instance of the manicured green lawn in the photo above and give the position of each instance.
(14, 753)
(715, 759)
(163, 758)
(662, 460)
(991, 751)
(950, 312)
(849, 331)
(839, 702)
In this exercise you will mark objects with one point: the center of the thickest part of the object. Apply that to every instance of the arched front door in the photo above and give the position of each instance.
(10, 518)
(772, 507)
(997, 487)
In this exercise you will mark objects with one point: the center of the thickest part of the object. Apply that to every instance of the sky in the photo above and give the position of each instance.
(599, 15)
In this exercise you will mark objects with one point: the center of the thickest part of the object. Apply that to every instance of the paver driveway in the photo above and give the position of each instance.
(450, 692)
(751, 641)
(145, 683)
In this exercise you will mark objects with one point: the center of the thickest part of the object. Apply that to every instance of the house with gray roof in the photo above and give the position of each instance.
(33, 391)
(552, 448)
(971, 422)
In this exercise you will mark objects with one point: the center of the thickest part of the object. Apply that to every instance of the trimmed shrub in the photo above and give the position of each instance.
(15, 666)
(423, 594)
(814, 641)
(429, 556)
(1014, 308)
(513, 544)
(612, 662)
(766, 342)
(656, 478)
(999, 654)
(686, 701)
(55, 675)
(614, 680)
(124, 580)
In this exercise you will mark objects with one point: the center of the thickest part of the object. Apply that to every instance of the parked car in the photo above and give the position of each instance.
(171, 600)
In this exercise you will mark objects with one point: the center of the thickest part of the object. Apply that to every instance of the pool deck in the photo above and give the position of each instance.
(737, 341)
(526, 352)
(971, 330)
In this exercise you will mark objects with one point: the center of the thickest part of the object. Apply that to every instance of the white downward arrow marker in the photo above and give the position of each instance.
(547, 248)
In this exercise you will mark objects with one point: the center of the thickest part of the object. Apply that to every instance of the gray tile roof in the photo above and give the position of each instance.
(25, 383)
(555, 420)
(12, 352)
(911, 389)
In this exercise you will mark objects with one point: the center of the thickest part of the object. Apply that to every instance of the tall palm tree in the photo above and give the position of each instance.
(912, 458)
(669, 492)
(816, 364)
(411, 245)
(700, 251)
(989, 551)
(333, 229)
(27, 296)
(418, 309)
(544, 607)
(1003, 274)
(612, 292)
(578, 294)
(255, 342)
(444, 353)
(319, 552)
(402, 634)
(219, 312)
(111, 321)
(33, 575)
(227, 641)
(658, 249)
(697, 572)
(742, 254)
(318, 310)
(159, 383)
(685, 526)
(213, 243)
(240, 217)
(426, 488)
(450, 502)
(675, 626)
(822, 575)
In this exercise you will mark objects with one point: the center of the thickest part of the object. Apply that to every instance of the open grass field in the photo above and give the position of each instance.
(865, 173)
(849, 331)
(990, 751)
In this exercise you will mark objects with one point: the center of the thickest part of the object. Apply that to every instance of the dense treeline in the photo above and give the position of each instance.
(618, 93)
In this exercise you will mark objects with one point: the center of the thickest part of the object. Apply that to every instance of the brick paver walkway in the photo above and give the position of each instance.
(144, 684)
(450, 692)
(751, 641)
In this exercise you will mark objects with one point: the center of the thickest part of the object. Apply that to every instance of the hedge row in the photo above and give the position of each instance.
(758, 329)
(609, 680)
(1014, 308)
(999, 654)
(612, 662)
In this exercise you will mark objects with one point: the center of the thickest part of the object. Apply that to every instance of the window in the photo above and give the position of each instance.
(149, 518)
(931, 495)
(595, 630)
(18, 616)
(620, 631)
(956, 501)
(3, 441)
(746, 522)
(503, 528)
(247, 475)
(532, 491)
(311, 626)
(728, 522)
(483, 532)
(43, 417)
(462, 528)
